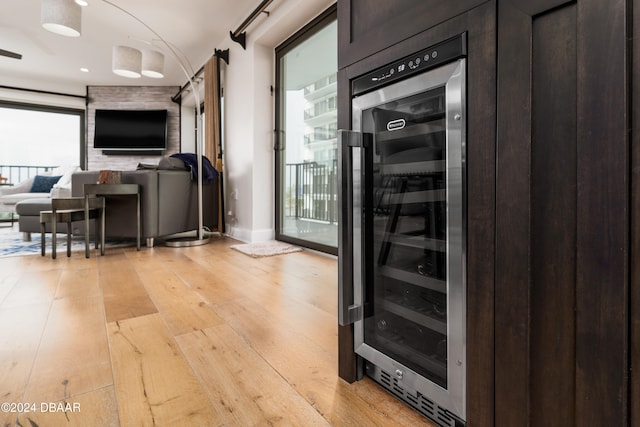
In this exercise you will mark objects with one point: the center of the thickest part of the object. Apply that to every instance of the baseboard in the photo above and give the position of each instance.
(263, 235)
(246, 235)
(239, 234)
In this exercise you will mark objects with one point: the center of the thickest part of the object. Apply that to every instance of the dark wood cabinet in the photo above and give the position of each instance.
(553, 161)
(369, 26)
(634, 223)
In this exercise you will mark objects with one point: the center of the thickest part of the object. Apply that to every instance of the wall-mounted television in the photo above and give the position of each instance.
(124, 131)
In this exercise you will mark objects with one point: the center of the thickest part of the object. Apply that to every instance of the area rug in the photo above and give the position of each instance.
(269, 248)
(12, 244)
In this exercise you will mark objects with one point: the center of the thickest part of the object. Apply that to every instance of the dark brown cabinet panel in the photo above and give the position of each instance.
(553, 217)
(634, 243)
(561, 248)
(603, 216)
(512, 218)
(368, 26)
(536, 209)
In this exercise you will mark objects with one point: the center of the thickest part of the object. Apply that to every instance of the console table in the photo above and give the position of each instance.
(116, 190)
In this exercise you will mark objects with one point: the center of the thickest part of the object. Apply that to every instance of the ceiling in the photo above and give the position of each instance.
(51, 62)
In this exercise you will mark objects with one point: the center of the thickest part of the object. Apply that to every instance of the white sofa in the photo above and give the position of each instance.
(11, 195)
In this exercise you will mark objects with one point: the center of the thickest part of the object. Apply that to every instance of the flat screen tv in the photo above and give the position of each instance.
(130, 130)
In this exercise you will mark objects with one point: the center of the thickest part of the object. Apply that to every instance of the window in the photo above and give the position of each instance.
(40, 136)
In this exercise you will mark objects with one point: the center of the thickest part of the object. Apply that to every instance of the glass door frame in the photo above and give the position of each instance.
(308, 31)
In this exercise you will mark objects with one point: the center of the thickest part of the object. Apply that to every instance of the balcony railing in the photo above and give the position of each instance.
(16, 174)
(311, 192)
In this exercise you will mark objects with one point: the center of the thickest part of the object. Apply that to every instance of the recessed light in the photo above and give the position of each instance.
(84, 70)
(82, 2)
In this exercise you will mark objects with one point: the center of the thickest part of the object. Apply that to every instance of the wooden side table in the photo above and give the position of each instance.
(69, 210)
(116, 190)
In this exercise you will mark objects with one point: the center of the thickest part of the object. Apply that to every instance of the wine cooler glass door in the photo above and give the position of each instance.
(413, 291)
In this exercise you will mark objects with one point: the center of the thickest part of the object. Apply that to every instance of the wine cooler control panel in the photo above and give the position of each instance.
(424, 60)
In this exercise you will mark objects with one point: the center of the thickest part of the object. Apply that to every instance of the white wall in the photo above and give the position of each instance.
(187, 134)
(249, 120)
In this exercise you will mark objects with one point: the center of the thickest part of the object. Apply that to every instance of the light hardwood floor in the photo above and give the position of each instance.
(202, 336)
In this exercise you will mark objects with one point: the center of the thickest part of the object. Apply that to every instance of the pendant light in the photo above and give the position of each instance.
(126, 61)
(152, 64)
(62, 17)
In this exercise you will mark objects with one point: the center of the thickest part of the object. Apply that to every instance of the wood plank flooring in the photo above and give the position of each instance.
(202, 336)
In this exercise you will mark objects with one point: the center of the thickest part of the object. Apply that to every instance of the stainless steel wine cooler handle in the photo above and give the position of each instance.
(349, 304)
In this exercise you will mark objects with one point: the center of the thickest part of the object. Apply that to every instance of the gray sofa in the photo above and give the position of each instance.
(169, 205)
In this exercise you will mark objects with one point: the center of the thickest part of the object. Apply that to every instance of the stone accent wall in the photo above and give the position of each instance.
(131, 98)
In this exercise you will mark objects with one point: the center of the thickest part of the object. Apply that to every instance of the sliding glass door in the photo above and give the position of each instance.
(306, 123)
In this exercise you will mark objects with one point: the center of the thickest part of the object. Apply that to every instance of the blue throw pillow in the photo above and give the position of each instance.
(43, 184)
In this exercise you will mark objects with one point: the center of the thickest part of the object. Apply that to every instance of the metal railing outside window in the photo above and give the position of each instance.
(18, 173)
(311, 192)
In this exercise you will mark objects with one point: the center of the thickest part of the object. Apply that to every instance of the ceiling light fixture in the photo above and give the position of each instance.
(127, 61)
(82, 2)
(153, 64)
(62, 17)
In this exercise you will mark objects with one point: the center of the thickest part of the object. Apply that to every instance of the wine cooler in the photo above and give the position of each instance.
(403, 229)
